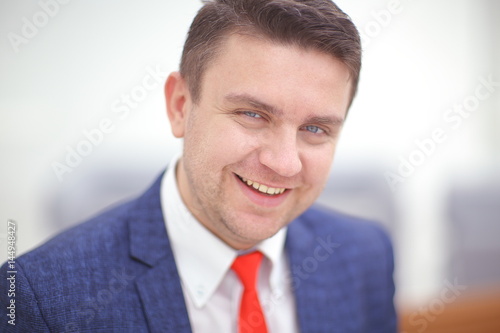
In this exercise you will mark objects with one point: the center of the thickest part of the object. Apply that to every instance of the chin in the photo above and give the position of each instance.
(260, 228)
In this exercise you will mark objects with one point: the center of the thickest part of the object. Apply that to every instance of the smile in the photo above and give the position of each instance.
(262, 188)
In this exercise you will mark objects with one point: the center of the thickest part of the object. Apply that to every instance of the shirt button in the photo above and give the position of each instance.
(200, 290)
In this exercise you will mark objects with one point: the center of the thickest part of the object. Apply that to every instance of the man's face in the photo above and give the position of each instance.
(259, 143)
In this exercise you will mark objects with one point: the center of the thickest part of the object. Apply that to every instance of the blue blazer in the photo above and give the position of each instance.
(117, 273)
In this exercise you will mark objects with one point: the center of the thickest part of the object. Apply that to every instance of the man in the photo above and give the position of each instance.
(260, 100)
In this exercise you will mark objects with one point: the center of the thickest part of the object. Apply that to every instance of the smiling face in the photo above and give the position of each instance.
(259, 143)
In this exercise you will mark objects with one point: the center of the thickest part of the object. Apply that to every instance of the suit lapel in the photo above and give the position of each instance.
(159, 288)
(319, 280)
(301, 282)
(163, 300)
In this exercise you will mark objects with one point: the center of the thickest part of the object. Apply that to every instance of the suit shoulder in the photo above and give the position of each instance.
(93, 238)
(346, 229)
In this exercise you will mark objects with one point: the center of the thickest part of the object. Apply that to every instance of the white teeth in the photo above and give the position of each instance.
(263, 188)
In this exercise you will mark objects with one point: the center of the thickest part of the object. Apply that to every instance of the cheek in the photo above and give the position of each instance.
(230, 142)
(317, 165)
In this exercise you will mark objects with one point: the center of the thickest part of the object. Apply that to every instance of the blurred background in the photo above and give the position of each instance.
(83, 126)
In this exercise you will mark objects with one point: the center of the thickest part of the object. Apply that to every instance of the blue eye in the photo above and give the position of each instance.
(251, 114)
(314, 129)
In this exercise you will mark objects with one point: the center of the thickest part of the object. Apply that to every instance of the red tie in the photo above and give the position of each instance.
(251, 318)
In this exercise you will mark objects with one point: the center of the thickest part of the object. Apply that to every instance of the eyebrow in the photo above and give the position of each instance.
(332, 121)
(254, 102)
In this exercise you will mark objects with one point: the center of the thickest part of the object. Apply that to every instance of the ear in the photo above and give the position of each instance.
(178, 103)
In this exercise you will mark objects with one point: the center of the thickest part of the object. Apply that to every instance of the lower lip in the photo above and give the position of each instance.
(262, 199)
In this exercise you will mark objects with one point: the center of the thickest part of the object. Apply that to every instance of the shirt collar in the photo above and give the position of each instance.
(202, 271)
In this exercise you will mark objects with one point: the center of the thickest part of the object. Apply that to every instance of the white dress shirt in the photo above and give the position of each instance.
(212, 291)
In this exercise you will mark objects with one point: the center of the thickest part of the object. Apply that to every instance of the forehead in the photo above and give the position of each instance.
(284, 76)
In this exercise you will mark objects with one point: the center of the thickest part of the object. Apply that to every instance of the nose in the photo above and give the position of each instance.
(281, 154)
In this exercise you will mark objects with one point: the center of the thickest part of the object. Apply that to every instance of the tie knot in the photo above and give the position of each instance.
(246, 267)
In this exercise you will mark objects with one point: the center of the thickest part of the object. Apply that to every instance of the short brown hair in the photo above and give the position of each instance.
(309, 24)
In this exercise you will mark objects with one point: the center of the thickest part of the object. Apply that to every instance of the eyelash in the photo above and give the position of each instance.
(252, 114)
(317, 130)
(309, 128)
